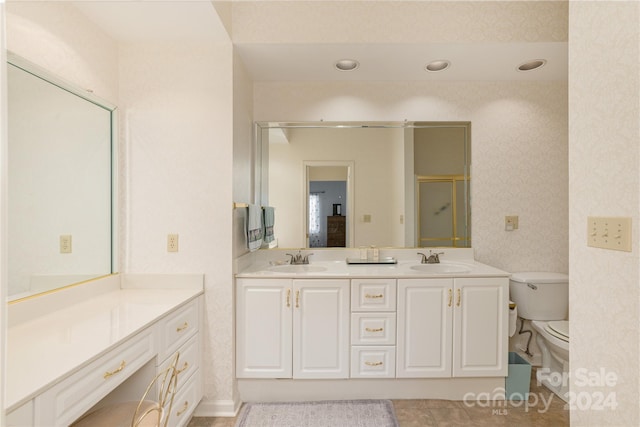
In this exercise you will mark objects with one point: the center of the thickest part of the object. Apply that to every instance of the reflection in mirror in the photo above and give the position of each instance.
(329, 194)
(410, 182)
(60, 156)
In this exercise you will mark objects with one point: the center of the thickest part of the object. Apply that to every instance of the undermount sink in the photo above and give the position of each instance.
(441, 268)
(297, 268)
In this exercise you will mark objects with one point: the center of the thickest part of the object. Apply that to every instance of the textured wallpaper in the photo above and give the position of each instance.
(177, 140)
(398, 22)
(518, 151)
(604, 144)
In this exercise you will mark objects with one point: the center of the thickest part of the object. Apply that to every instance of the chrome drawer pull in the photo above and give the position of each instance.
(184, 408)
(111, 373)
(374, 296)
(373, 363)
(184, 326)
(374, 329)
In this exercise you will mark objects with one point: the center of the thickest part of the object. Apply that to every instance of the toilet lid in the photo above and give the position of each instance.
(559, 329)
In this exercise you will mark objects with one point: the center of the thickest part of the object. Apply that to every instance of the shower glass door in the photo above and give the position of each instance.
(441, 221)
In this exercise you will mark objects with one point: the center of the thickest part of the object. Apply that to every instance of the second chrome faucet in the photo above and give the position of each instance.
(298, 258)
(433, 258)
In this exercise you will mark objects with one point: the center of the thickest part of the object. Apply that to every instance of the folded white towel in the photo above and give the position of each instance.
(254, 227)
(269, 220)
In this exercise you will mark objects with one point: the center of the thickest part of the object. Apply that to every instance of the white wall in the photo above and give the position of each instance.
(243, 151)
(58, 38)
(243, 189)
(518, 151)
(3, 207)
(604, 146)
(177, 121)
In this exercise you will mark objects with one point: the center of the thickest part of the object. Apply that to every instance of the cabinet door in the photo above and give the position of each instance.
(480, 340)
(264, 328)
(321, 328)
(424, 328)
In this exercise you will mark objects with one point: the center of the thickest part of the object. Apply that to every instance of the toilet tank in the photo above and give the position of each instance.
(540, 295)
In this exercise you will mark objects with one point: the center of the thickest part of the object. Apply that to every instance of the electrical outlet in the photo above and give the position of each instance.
(172, 243)
(65, 244)
(511, 223)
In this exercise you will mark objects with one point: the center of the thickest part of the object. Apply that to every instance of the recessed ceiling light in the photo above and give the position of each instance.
(438, 65)
(532, 65)
(347, 64)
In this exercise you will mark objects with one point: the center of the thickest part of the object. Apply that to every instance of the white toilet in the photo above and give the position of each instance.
(543, 298)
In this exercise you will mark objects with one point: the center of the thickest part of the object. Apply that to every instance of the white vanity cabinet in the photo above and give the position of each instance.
(425, 328)
(179, 332)
(103, 350)
(480, 327)
(452, 327)
(373, 328)
(292, 328)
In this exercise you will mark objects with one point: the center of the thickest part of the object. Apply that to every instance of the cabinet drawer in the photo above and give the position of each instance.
(177, 328)
(22, 416)
(373, 362)
(373, 328)
(373, 295)
(69, 399)
(185, 401)
(189, 360)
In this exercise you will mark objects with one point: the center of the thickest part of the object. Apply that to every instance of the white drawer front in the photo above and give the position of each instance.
(68, 400)
(189, 360)
(177, 328)
(373, 295)
(185, 402)
(373, 328)
(373, 362)
(21, 417)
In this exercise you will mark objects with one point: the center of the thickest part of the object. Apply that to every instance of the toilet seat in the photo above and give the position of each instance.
(559, 329)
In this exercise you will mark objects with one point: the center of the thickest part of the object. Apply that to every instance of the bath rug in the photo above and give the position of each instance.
(333, 413)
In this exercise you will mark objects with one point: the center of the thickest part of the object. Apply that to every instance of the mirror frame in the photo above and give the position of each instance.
(48, 76)
(261, 170)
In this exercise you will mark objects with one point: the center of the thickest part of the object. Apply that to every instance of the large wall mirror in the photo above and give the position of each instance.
(61, 189)
(345, 184)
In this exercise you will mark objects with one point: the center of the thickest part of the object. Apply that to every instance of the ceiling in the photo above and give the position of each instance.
(283, 56)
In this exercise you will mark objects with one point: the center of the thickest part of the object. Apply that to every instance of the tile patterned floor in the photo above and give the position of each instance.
(542, 409)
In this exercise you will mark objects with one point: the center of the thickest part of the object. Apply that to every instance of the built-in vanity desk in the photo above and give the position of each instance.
(403, 330)
(70, 350)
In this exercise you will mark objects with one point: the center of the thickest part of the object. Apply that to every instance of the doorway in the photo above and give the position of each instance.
(329, 206)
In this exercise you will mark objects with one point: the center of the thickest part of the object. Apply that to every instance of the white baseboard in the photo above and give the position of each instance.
(218, 408)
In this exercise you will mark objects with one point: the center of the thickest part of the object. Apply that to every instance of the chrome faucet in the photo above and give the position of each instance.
(298, 258)
(433, 258)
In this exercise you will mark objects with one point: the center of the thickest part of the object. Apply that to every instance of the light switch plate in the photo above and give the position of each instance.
(609, 233)
(65, 244)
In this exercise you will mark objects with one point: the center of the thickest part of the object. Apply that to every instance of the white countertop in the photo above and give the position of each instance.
(332, 264)
(46, 349)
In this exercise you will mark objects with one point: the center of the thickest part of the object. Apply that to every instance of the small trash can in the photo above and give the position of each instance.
(518, 379)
